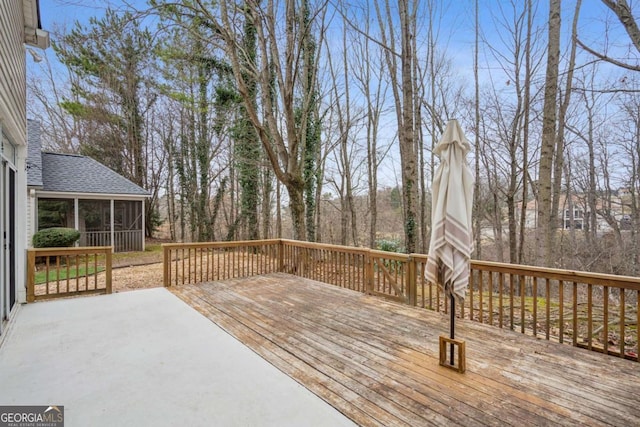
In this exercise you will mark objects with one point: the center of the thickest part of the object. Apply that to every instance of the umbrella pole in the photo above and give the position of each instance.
(452, 325)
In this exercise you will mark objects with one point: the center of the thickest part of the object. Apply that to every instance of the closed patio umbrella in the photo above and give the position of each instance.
(451, 231)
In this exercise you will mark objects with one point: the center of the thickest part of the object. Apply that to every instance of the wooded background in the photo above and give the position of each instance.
(315, 120)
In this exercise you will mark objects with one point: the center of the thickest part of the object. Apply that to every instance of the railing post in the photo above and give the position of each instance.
(166, 265)
(280, 256)
(109, 259)
(31, 275)
(369, 271)
(412, 281)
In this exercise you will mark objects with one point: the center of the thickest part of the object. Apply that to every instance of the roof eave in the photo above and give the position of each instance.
(93, 196)
(34, 35)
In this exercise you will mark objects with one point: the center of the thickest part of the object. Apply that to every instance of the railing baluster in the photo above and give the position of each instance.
(623, 322)
(182, 262)
(480, 282)
(86, 268)
(548, 307)
(325, 266)
(511, 292)
(523, 298)
(574, 335)
(68, 272)
(430, 295)
(471, 288)
(535, 306)
(589, 316)
(175, 258)
(605, 320)
(201, 265)
(95, 271)
(209, 262)
(500, 303)
(561, 311)
(217, 252)
(46, 269)
(491, 298)
(57, 274)
(77, 264)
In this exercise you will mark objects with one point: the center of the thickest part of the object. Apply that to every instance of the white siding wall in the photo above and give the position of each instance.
(13, 71)
(13, 119)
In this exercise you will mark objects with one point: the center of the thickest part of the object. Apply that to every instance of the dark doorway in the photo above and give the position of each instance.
(12, 238)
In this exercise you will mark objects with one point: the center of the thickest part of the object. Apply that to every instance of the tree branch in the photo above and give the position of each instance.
(623, 12)
(607, 58)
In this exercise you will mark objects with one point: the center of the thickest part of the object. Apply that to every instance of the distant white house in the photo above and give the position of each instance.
(68, 190)
(619, 211)
(20, 30)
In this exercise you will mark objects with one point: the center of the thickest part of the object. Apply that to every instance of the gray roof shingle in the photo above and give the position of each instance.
(72, 173)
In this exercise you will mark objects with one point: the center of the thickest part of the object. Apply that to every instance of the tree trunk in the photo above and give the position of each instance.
(545, 232)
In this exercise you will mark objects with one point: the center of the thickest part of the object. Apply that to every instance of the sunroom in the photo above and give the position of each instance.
(68, 190)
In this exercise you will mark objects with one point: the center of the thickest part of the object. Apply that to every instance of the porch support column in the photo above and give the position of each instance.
(33, 215)
(143, 202)
(113, 234)
(76, 219)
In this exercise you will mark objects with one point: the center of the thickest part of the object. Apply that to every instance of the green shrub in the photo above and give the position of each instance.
(56, 237)
(389, 245)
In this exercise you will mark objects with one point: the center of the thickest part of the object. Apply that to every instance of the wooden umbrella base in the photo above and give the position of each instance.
(445, 343)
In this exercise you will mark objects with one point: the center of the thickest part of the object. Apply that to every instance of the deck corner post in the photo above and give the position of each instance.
(369, 271)
(280, 256)
(166, 264)
(412, 281)
(109, 261)
(31, 275)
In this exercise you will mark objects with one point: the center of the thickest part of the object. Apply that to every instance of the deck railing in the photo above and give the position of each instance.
(63, 272)
(189, 263)
(595, 311)
(124, 240)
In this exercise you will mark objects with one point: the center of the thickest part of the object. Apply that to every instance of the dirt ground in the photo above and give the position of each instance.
(136, 277)
(138, 270)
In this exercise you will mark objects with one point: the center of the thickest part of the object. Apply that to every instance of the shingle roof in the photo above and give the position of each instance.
(71, 173)
(34, 158)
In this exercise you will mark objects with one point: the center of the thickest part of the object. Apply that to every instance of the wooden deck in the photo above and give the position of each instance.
(377, 361)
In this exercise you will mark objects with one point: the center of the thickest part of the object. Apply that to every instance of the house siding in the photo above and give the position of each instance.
(13, 72)
(13, 122)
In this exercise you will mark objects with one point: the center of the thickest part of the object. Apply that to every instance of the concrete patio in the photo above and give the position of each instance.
(146, 358)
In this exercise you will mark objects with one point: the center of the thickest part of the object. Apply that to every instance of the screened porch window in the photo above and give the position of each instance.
(95, 222)
(127, 223)
(117, 223)
(55, 213)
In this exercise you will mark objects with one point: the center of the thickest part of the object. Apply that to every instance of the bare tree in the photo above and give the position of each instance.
(345, 122)
(625, 16)
(403, 93)
(368, 77)
(544, 236)
(285, 100)
(508, 106)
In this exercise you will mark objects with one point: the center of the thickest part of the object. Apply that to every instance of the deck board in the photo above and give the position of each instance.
(377, 361)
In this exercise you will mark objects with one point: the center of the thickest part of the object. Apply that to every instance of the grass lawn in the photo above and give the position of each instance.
(81, 271)
(152, 253)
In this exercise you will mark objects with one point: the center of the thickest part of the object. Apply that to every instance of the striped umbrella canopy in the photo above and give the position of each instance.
(451, 230)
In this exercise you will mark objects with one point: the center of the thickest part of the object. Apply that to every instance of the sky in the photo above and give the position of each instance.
(454, 19)
(456, 33)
